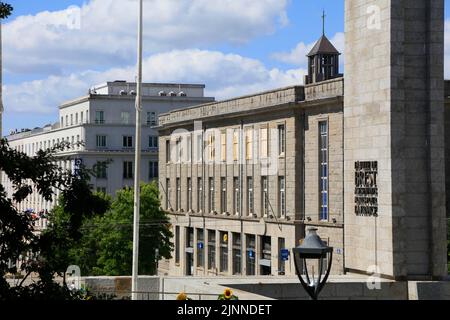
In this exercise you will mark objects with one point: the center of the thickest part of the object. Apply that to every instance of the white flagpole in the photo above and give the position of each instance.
(137, 161)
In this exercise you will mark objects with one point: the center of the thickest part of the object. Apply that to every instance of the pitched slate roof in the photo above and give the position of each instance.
(323, 46)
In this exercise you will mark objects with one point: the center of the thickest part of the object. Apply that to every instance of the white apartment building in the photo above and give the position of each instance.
(104, 120)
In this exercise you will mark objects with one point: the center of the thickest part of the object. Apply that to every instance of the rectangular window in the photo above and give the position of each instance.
(211, 249)
(281, 197)
(212, 147)
(81, 117)
(323, 170)
(250, 196)
(223, 146)
(76, 118)
(236, 145)
(264, 196)
(168, 194)
(199, 148)
(100, 170)
(200, 195)
(266, 256)
(223, 251)
(236, 196)
(71, 119)
(178, 195)
(125, 117)
(99, 117)
(153, 142)
(128, 170)
(188, 148)
(249, 144)
(168, 151)
(200, 248)
(101, 141)
(264, 142)
(237, 259)
(281, 139)
(178, 150)
(189, 194)
(177, 244)
(211, 203)
(223, 195)
(281, 262)
(251, 254)
(127, 141)
(153, 170)
(151, 119)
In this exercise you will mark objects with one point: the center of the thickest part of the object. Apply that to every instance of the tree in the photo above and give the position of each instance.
(5, 11)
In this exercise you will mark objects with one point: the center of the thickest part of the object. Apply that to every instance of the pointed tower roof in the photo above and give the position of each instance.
(323, 46)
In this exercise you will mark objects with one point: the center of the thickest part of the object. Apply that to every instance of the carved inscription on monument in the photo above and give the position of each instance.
(366, 188)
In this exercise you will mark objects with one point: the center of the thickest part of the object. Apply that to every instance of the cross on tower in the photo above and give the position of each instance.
(323, 22)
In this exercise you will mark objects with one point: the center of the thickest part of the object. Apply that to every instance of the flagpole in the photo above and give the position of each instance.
(137, 161)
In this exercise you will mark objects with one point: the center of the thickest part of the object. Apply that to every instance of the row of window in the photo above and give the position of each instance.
(127, 142)
(266, 206)
(191, 248)
(83, 117)
(183, 145)
(32, 148)
(79, 118)
(100, 169)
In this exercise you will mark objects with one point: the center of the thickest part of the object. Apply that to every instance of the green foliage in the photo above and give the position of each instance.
(5, 10)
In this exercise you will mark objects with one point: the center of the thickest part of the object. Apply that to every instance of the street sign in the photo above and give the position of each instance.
(200, 245)
(284, 254)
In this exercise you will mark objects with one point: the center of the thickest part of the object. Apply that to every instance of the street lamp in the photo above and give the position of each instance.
(315, 250)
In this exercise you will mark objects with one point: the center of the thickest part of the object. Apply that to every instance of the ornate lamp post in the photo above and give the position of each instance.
(313, 249)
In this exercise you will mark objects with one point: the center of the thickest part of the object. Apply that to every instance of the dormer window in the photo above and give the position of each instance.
(182, 94)
(162, 93)
(172, 94)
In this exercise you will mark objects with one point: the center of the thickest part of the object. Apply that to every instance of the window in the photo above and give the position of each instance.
(189, 194)
(223, 196)
(151, 119)
(264, 196)
(281, 262)
(128, 170)
(199, 147)
(81, 117)
(250, 196)
(188, 148)
(153, 170)
(281, 139)
(251, 254)
(153, 142)
(237, 254)
(100, 170)
(264, 142)
(200, 248)
(223, 251)
(211, 249)
(178, 195)
(101, 141)
(178, 150)
(127, 141)
(71, 119)
(281, 197)
(211, 203)
(236, 145)
(168, 193)
(76, 118)
(249, 144)
(177, 244)
(200, 195)
(99, 117)
(62, 121)
(212, 147)
(323, 170)
(67, 121)
(236, 196)
(223, 146)
(168, 151)
(125, 117)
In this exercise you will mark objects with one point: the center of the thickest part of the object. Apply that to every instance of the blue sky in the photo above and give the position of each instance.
(235, 47)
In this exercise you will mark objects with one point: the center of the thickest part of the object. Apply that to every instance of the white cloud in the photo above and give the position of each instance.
(297, 56)
(50, 43)
(225, 76)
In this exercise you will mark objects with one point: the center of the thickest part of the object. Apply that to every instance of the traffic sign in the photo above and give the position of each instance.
(284, 254)
(200, 245)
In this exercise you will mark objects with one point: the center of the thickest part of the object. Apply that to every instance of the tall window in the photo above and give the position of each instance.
(178, 195)
(223, 251)
(200, 248)
(237, 258)
(178, 150)
(127, 141)
(264, 196)
(67, 121)
(223, 146)
(153, 170)
(128, 170)
(281, 139)
(266, 255)
(223, 195)
(251, 254)
(71, 119)
(99, 117)
(249, 144)
(211, 195)
(281, 197)
(199, 147)
(281, 262)
(125, 116)
(236, 145)
(200, 194)
(188, 148)
(153, 142)
(212, 147)
(264, 142)
(177, 244)
(167, 150)
(101, 141)
(189, 194)
(76, 118)
(100, 170)
(250, 196)
(323, 170)
(236, 195)
(168, 193)
(81, 117)
(151, 119)
(211, 249)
